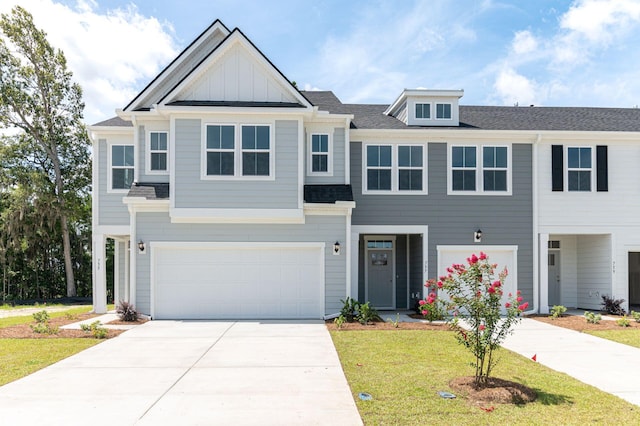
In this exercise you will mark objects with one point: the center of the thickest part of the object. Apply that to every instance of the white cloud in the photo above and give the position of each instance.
(111, 55)
(523, 43)
(513, 88)
(596, 20)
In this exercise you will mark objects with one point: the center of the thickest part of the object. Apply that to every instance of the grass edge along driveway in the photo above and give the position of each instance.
(404, 369)
(21, 357)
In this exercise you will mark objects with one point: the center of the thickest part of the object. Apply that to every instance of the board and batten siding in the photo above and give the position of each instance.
(452, 219)
(193, 192)
(337, 177)
(152, 227)
(111, 210)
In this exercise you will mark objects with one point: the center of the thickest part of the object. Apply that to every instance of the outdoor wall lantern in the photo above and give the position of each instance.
(336, 249)
(477, 236)
(141, 246)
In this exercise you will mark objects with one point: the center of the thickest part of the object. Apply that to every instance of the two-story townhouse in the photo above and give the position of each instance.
(231, 194)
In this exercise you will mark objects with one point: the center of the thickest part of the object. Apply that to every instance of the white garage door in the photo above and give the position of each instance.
(218, 281)
(502, 255)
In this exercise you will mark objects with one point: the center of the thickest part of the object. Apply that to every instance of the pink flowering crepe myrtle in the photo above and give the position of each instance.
(477, 312)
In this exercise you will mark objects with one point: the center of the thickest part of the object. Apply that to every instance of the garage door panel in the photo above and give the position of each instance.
(232, 282)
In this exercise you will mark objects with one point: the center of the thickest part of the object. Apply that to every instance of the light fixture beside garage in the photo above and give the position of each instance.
(477, 236)
(141, 246)
(336, 249)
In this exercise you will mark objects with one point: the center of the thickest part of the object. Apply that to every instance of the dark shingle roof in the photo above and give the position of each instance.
(327, 193)
(115, 122)
(150, 191)
(493, 117)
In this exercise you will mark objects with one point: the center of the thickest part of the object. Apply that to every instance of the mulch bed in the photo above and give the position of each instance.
(356, 326)
(24, 331)
(120, 322)
(495, 391)
(579, 323)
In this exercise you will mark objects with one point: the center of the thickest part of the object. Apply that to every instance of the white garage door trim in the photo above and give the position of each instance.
(155, 246)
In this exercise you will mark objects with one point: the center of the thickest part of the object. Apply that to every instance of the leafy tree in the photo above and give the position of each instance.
(50, 154)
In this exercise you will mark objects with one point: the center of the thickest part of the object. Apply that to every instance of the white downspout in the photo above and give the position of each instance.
(536, 245)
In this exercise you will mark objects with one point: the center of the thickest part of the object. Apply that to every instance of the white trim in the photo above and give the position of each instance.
(116, 272)
(395, 169)
(127, 269)
(196, 215)
(112, 230)
(238, 151)
(154, 246)
(110, 146)
(408, 266)
(136, 152)
(147, 148)
(413, 106)
(329, 154)
(99, 272)
(347, 151)
(339, 208)
(172, 162)
(435, 110)
(300, 146)
(535, 204)
(95, 183)
(133, 253)
(368, 238)
(357, 230)
(543, 291)
(347, 255)
(479, 169)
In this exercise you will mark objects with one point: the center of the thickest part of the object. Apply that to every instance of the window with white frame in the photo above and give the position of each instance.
(158, 151)
(443, 111)
(220, 150)
(320, 153)
(122, 166)
(256, 146)
(395, 168)
(423, 110)
(494, 168)
(379, 167)
(410, 167)
(579, 166)
(463, 168)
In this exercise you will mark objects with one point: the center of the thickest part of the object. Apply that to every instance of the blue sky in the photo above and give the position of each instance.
(542, 52)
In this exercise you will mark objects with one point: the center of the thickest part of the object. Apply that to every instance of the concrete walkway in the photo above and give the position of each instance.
(606, 365)
(192, 373)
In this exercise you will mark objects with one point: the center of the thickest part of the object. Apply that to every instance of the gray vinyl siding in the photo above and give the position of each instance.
(416, 282)
(338, 160)
(401, 271)
(504, 220)
(193, 192)
(111, 210)
(328, 229)
(143, 145)
(122, 251)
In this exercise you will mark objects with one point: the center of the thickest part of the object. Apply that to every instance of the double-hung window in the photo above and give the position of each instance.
(478, 170)
(379, 167)
(320, 153)
(579, 166)
(494, 168)
(463, 168)
(443, 111)
(234, 151)
(394, 169)
(158, 152)
(122, 166)
(255, 150)
(220, 150)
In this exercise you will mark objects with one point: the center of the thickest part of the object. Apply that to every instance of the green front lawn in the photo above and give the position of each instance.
(26, 319)
(21, 357)
(7, 307)
(626, 336)
(404, 369)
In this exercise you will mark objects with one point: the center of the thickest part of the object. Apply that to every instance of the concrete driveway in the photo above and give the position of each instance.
(192, 373)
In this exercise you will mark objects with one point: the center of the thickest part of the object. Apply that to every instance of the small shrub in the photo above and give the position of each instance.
(635, 316)
(366, 314)
(623, 322)
(612, 306)
(96, 329)
(592, 318)
(71, 316)
(43, 328)
(126, 311)
(349, 309)
(396, 322)
(41, 317)
(339, 321)
(432, 308)
(557, 311)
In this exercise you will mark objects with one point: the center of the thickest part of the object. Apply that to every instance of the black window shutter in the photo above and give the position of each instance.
(557, 172)
(602, 171)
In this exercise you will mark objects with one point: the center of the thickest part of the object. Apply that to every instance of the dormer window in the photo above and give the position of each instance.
(443, 111)
(423, 111)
